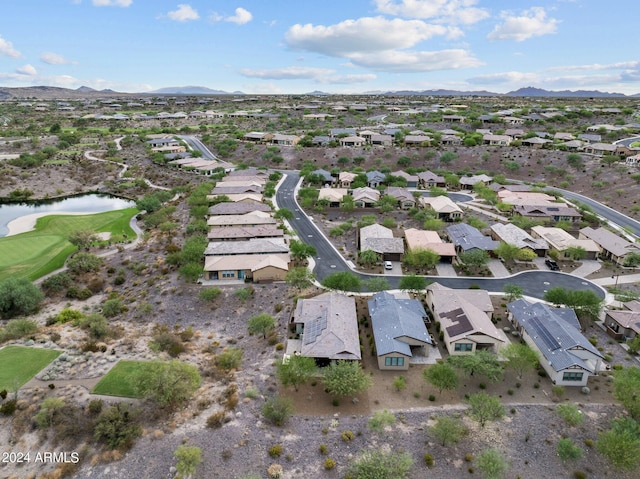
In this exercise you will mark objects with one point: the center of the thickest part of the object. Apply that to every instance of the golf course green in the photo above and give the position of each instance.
(35, 253)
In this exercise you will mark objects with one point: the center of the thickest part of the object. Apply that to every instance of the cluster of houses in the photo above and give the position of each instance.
(176, 154)
(246, 243)
(326, 328)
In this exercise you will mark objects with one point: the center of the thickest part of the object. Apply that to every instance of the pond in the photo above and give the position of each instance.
(88, 203)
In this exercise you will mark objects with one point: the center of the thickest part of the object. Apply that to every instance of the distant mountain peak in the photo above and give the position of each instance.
(189, 90)
(85, 89)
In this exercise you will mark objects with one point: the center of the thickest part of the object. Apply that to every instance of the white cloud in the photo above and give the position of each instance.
(241, 17)
(68, 81)
(504, 77)
(27, 70)
(450, 11)
(112, 3)
(288, 73)
(367, 34)
(6, 48)
(184, 13)
(410, 61)
(54, 59)
(531, 23)
(597, 66)
(351, 78)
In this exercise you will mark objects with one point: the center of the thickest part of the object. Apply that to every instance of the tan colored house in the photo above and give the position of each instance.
(326, 329)
(332, 195)
(250, 219)
(245, 233)
(352, 141)
(612, 246)
(345, 178)
(260, 268)
(465, 319)
(429, 240)
(285, 140)
(559, 240)
(405, 198)
(444, 207)
(365, 197)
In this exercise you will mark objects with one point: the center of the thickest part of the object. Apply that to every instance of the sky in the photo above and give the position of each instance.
(334, 46)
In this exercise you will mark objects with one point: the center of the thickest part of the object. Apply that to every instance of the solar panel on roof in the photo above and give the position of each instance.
(314, 328)
(553, 208)
(551, 342)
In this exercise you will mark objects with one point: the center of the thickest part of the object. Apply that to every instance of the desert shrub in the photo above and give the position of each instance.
(19, 296)
(323, 449)
(95, 406)
(113, 307)
(75, 292)
(84, 263)
(570, 414)
(9, 407)
(277, 410)
(429, 461)
(381, 419)
(57, 283)
(243, 294)
(209, 294)
(229, 359)
(329, 464)
(96, 325)
(49, 409)
(251, 393)
(275, 451)
(18, 328)
(568, 451)
(117, 427)
(347, 436)
(216, 420)
(68, 314)
(3, 394)
(167, 342)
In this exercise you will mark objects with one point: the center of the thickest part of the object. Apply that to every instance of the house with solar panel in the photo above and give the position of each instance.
(399, 330)
(554, 333)
(326, 329)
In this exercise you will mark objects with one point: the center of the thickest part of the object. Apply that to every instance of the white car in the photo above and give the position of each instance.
(388, 265)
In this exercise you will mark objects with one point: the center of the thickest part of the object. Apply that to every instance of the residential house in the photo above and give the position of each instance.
(497, 140)
(229, 208)
(465, 319)
(632, 160)
(335, 132)
(381, 140)
(162, 142)
(252, 246)
(468, 182)
(365, 197)
(321, 140)
(467, 238)
(536, 142)
(285, 140)
(563, 136)
(326, 329)
(554, 333)
(417, 140)
(427, 180)
(367, 134)
(453, 118)
(241, 197)
(222, 189)
(590, 138)
(622, 325)
(417, 240)
(245, 233)
(352, 141)
(612, 246)
(332, 195)
(249, 172)
(345, 178)
(514, 132)
(444, 207)
(375, 178)
(559, 240)
(380, 239)
(261, 268)
(249, 219)
(511, 234)
(497, 187)
(399, 330)
(405, 198)
(327, 177)
(450, 140)
(258, 137)
(548, 213)
(600, 149)
(412, 180)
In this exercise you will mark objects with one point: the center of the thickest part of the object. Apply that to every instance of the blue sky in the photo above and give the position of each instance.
(346, 46)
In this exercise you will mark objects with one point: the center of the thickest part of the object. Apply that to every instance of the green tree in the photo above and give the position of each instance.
(484, 408)
(447, 157)
(342, 281)
(301, 251)
(381, 420)
(448, 430)
(118, 426)
(278, 410)
(413, 283)
(19, 296)
(377, 283)
(568, 451)
(84, 263)
(492, 464)
(520, 357)
(296, 370)
(626, 389)
(300, 277)
(381, 465)
(422, 258)
(583, 301)
(345, 378)
(507, 251)
(576, 253)
(482, 363)
(512, 292)
(284, 213)
(474, 258)
(570, 414)
(168, 384)
(400, 383)
(82, 238)
(368, 257)
(189, 458)
(621, 444)
(441, 375)
(261, 324)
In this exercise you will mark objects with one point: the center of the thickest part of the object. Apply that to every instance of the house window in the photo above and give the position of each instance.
(228, 274)
(572, 376)
(464, 347)
(394, 361)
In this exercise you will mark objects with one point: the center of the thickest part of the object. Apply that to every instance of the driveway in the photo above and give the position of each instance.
(445, 269)
(587, 267)
(397, 269)
(497, 269)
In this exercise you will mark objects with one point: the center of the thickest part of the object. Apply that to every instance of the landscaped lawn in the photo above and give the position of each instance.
(18, 364)
(36, 253)
(116, 382)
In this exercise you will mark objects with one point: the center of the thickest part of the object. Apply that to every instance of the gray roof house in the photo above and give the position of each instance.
(511, 234)
(566, 355)
(327, 328)
(612, 246)
(398, 329)
(325, 175)
(466, 238)
(241, 208)
(375, 178)
(380, 239)
(253, 246)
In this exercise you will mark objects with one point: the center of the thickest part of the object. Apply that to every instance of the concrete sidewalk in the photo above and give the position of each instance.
(612, 280)
(587, 267)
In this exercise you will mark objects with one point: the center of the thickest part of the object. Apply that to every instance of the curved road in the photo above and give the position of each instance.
(328, 260)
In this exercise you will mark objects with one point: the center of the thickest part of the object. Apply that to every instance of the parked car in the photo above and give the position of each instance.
(388, 265)
(552, 265)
